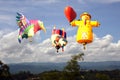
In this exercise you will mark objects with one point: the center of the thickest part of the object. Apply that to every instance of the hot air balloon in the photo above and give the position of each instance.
(85, 25)
(28, 27)
(70, 14)
(58, 38)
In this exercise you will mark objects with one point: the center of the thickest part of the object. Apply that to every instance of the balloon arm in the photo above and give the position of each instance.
(75, 23)
(19, 38)
(98, 24)
(95, 23)
(72, 23)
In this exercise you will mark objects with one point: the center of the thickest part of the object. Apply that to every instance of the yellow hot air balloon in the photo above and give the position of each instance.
(85, 25)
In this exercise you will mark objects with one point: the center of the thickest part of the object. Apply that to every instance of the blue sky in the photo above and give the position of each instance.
(105, 47)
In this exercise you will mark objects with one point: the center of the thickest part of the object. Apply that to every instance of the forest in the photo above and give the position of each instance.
(71, 71)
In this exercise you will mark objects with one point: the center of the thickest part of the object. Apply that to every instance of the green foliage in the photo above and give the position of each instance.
(51, 75)
(22, 75)
(102, 76)
(78, 57)
(72, 69)
(72, 65)
(62, 75)
(4, 72)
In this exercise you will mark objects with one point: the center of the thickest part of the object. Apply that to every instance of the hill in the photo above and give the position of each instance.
(41, 67)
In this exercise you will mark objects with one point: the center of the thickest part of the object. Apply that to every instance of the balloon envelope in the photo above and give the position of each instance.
(70, 13)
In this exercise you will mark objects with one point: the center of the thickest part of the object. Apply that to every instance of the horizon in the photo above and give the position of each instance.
(63, 62)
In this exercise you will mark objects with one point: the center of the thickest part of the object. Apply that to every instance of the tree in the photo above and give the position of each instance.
(4, 72)
(72, 69)
(78, 57)
(1, 63)
(72, 65)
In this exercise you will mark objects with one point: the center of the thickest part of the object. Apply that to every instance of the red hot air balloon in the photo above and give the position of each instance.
(69, 13)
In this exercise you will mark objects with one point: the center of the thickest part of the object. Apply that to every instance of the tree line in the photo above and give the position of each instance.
(71, 71)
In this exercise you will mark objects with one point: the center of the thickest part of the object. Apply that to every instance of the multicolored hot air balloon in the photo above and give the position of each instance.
(58, 38)
(85, 25)
(28, 27)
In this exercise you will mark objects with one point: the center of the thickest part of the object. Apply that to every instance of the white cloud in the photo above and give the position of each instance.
(102, 49)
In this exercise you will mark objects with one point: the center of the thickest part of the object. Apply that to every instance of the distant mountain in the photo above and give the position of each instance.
(40, 67)
(107, 65)
(35, 67)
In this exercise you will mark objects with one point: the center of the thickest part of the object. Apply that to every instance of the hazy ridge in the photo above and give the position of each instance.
(40, 67)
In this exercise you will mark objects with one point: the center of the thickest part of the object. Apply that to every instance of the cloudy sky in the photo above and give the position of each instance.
(105, 47)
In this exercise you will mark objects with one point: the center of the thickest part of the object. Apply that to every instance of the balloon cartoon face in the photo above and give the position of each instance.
(84, 32)
(58, 39)
(85, 15)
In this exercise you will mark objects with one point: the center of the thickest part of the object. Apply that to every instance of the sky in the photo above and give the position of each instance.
(105, 46)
